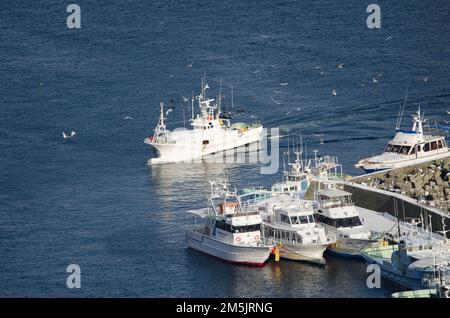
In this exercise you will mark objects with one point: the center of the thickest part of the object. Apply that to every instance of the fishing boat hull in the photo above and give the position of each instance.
(412, 279)
(192, 146)
(351, 247)
(312, 253)
(238, 254)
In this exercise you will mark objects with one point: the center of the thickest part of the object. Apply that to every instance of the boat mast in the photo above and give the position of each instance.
(232, 98)
(400, 114)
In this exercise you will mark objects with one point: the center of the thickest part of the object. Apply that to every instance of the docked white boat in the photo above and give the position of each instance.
(415, 262)
(408, 147)
(335, 210)
(210, 134)
(289, 223)
(228, 230)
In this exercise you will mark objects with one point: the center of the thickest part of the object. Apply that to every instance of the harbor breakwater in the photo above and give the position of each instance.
(415, 191)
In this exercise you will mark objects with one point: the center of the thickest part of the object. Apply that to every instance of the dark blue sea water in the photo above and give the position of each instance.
(95, 202)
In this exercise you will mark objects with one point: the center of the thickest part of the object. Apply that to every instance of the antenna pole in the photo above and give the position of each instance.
(232, 97)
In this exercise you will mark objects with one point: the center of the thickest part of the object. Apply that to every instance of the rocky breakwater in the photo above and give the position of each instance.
(429, 184)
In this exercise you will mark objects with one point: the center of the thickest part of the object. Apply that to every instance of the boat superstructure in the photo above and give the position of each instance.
(289, 223)
(408, 147)
(415, 262)
(229, 230)
(301, 173)
(210, 133)
(335, 210)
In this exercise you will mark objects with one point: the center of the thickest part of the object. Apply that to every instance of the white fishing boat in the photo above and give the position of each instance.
(415, 261)
(335, 210)
(408, 147)
(211, 134)
(228, 230)
(289, 223)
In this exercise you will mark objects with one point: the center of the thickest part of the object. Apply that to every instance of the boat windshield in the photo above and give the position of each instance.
(302, 219)
(403, 150)
(347, 222)
(335, 202)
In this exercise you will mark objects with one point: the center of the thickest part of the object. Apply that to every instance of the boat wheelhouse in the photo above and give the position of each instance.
(211, 133)
(336, 212)
(289, 223)
(229, 230)
(408, 147)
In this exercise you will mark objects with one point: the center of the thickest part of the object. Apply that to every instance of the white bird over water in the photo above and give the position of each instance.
(426, 79)
(67, 137)
(128, 117)
(333, 92)
(283, 84)
(320, 138)
(275, 101)
(168, 111)
(374, 80)
(190, 65)
(340, 65)
(185, 99)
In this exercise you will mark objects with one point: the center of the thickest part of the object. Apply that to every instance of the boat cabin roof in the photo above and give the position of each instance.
(334, 193)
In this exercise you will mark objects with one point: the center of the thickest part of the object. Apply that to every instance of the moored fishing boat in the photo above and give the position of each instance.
(229, 230)
(414, 261)
(335, 210)
(289, 223)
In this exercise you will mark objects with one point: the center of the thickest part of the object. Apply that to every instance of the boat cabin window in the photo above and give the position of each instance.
(311, 218)
(404, 150)
(395, 148)
(413, 150)
(237, 229)
(440, 145)
(434, 145)
(337, 223)
(285, 218)
(303, 219)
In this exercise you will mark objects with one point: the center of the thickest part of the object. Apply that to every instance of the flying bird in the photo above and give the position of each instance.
(68, 137)
(333, 92)
(374, 80)
(275, 101)
(128, 117)
(190, 65)
(340, 65)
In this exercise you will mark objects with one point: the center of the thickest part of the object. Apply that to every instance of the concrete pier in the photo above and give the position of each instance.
(418, 190)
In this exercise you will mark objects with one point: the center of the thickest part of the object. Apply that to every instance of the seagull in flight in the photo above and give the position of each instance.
(320, 138)
(284, 84)
(68, 137)
(185, 99)
(190, 65)
(275, 101)
(374, 80)
(341, 65)
(333, 92)
(169, 111)
(128, 117)
(426, 79)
